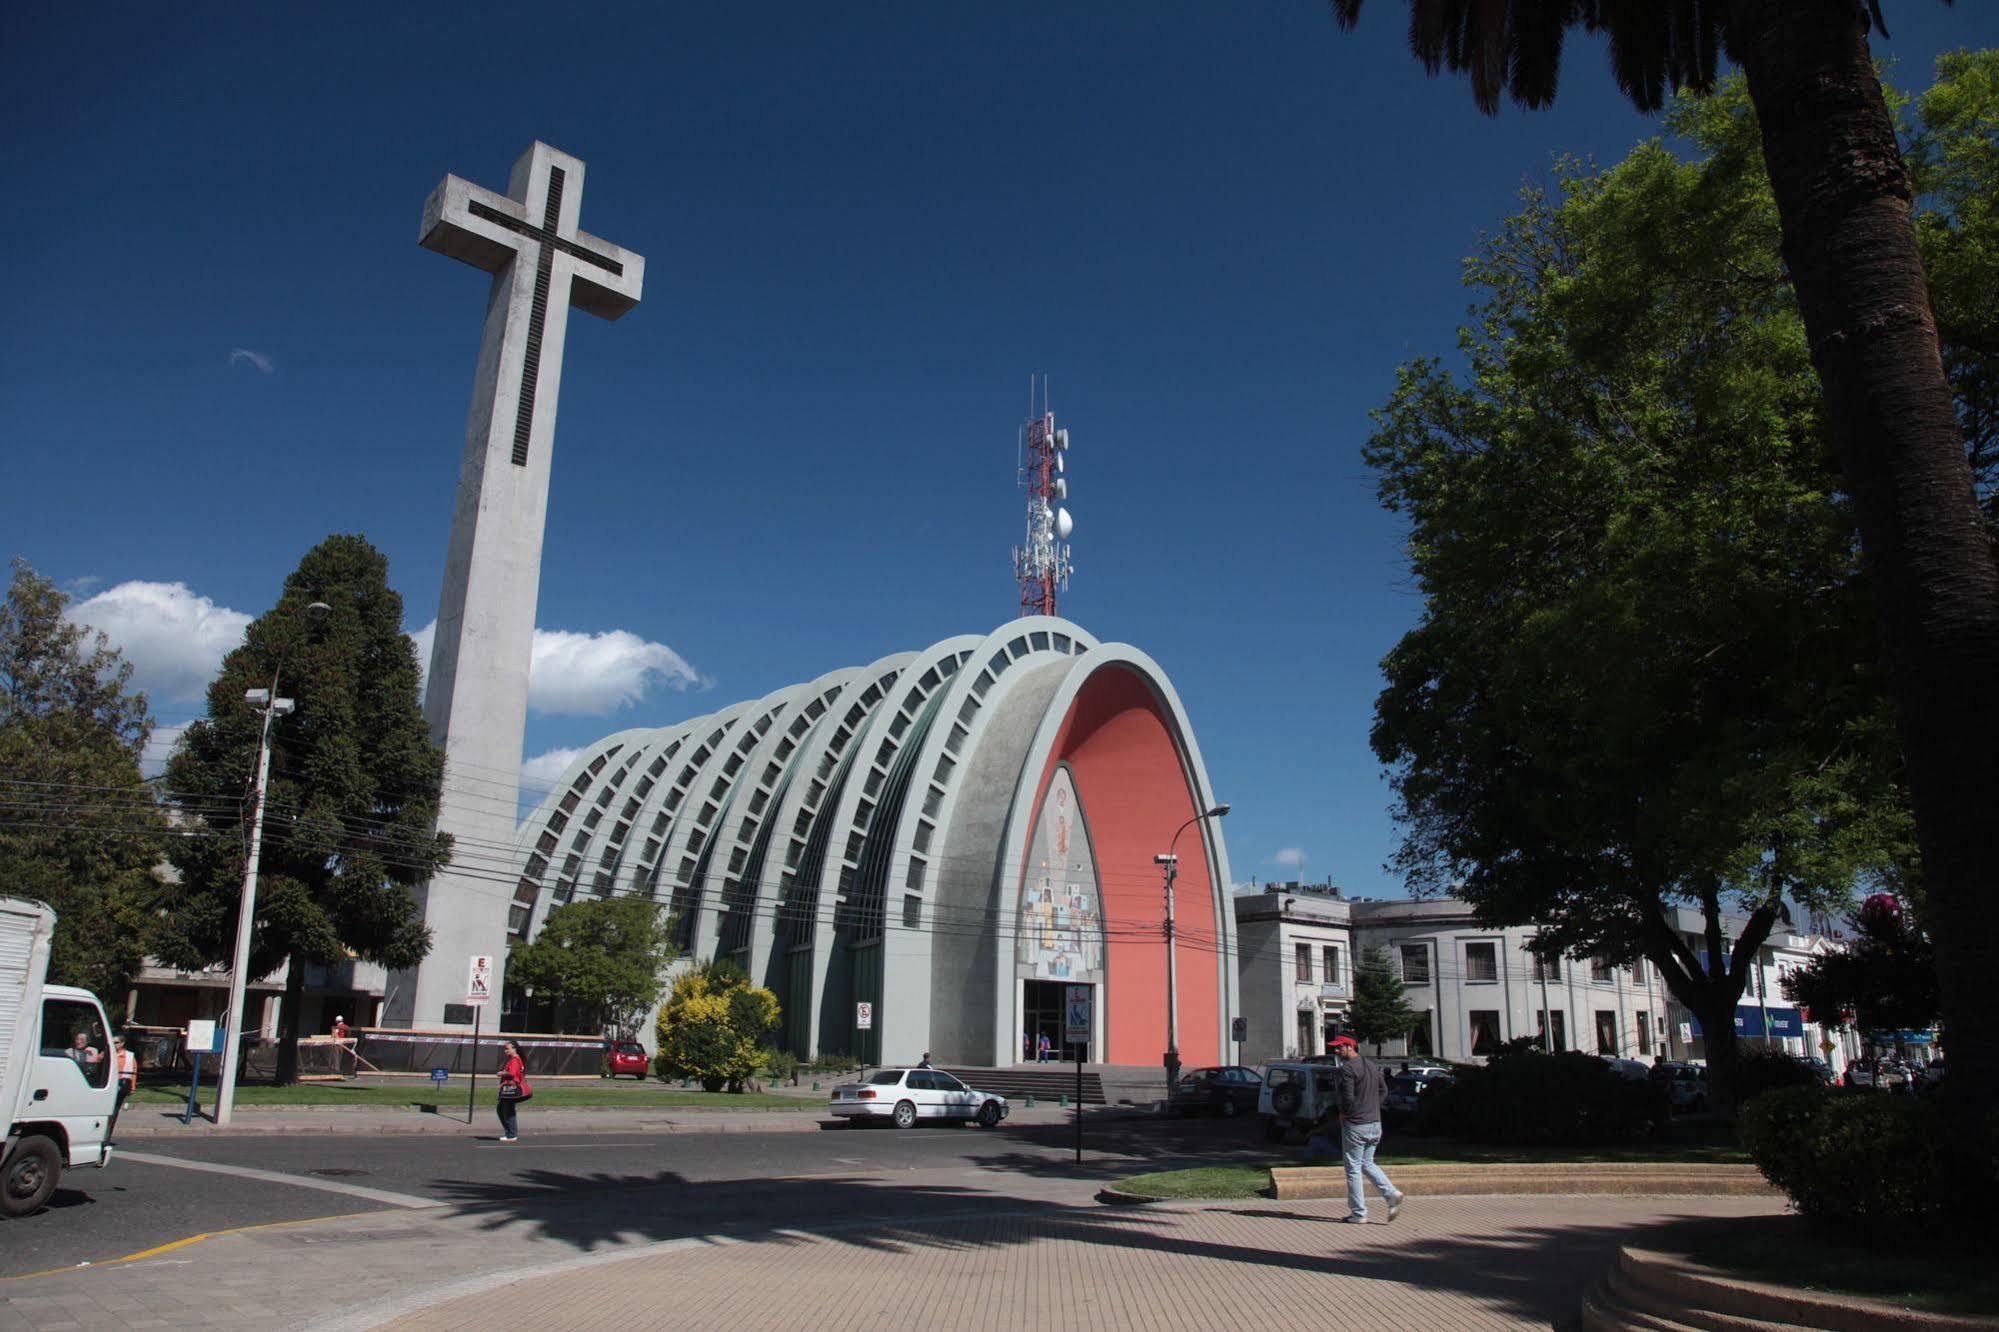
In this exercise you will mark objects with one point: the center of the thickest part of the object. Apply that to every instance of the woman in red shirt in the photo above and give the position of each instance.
(514, 1089)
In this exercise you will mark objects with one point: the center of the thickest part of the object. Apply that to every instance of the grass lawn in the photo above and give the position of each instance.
(548, 1096)
(1786, 1251)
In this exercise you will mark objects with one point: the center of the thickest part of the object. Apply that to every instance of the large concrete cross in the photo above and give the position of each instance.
(476, 697)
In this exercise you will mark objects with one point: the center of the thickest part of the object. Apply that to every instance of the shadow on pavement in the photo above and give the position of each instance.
(1535, 1270)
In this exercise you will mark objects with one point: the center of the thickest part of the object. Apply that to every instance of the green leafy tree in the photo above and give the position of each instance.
(1885, 980)
(601, 959)
(352, 799)
(712, 1026)
(79, 827)
(1642, 678)
(1843, 197)
(1380, 1011)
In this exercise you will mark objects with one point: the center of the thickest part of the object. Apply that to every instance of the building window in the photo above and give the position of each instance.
(1644, 1032)
(1606, 1032)
(1306, 1022)
(1554, 1031)
(1303, 953)
(1481, 962)
(1546, 970)
(1638, 972)
(1415, 964)
(1421, 1039)
(1484, 1031)
(1599, 969)
(1329, 957)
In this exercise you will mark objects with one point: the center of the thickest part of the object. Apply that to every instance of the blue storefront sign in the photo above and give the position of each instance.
(1749, 1021)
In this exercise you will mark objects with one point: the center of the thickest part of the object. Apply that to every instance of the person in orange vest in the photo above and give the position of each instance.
(128, 1078)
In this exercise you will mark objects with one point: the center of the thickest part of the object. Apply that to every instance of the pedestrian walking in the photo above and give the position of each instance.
(514, 1089)
(1042, 1045)
(128, 1080)
(1361, 1087)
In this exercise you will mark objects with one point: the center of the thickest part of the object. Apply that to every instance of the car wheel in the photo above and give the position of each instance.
(905, 1114)
(1286, 1100)
(989, 1115)
(1229, 1110)
(30, 1176)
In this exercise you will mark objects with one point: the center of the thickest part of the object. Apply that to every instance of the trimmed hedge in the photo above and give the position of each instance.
(1566, 1099)
(1878, 1168)
(1758, 1073)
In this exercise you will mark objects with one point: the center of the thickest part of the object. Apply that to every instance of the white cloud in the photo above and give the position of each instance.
(159, 747)
(1290, 857)
(540, 773)
(174, 639)
(589, 675)
(263, 364)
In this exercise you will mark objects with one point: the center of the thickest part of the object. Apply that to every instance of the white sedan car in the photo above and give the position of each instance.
(906, 1095)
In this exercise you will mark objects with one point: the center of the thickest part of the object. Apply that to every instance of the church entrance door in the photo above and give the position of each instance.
(1042, 1008)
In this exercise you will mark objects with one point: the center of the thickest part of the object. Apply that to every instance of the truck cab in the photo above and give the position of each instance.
(58, 1076)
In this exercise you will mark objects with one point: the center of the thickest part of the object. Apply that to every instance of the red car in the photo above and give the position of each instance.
(626, 1057)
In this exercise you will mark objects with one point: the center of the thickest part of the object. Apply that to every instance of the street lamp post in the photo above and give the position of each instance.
(1170, 863)
(268, 702)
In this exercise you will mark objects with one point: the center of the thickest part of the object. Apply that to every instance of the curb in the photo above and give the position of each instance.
(1649, 1290)
(1555, 1177)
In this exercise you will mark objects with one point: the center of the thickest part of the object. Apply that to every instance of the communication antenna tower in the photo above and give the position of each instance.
(1042, 565)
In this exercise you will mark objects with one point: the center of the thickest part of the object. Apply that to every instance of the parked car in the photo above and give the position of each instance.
(1406, 1090)
(1686, 1085)
(1860, 1073)
(1227, 1091)
(1635, 1069)
(1294, 1094)
(626, 1058)
(907, 1095)
(1420, 1064)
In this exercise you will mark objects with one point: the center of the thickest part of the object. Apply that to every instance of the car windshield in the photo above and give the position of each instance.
(888, 1077)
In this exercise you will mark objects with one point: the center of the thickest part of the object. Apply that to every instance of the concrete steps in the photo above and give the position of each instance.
(1045, 1083)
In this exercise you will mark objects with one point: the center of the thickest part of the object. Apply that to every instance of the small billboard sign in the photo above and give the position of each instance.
(479, 980)
(1076, 1015)
(864, 1016)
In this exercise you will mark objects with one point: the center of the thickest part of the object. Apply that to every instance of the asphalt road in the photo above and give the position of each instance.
(665, 1184)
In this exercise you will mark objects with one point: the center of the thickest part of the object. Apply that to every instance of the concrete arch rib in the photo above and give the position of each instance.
(781, 944)
(1034, 775)
(855, 816)
(555, 834)
(947, 861)
(679, 872)
(745, 895)
(768, 732)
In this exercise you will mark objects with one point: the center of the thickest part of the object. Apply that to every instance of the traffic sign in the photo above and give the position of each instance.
(864, 1016)
(1826, 1047)
(479, 980)
(1076, 1022)
(440, 1076)
(1239, 1030)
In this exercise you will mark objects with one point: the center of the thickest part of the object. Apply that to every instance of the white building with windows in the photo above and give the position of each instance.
(1479, 987)
(1296, 968)
(1764, 1018)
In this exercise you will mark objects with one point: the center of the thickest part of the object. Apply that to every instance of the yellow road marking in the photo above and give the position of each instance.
(171, 1245)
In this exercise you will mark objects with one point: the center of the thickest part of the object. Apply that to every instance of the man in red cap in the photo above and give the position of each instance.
(1361, 1087)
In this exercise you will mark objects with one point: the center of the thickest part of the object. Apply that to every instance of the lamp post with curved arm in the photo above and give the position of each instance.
(268, 702)
(1169, 861)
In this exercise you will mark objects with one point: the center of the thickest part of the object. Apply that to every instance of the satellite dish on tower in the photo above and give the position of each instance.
(1064, 524)
(1061, 488)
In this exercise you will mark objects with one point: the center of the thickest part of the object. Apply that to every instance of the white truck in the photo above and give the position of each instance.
(58, 1084)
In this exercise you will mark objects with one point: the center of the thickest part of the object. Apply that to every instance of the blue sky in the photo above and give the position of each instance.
(1218, 229)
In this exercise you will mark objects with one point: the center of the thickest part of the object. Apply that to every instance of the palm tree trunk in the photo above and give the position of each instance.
(290, 1013)
(1844, 196)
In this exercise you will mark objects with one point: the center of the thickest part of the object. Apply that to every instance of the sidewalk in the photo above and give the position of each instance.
(928, 1247)
(151, 1123)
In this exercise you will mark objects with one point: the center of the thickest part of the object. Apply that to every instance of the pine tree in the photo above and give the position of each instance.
(351, 806)
(1380, 1010)
(79, 827)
